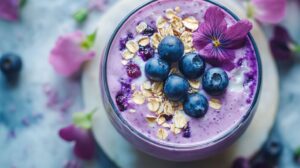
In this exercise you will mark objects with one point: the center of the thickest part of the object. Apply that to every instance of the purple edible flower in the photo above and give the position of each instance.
(282, 45)
(9, 9)
(215, 40)
(84, 141)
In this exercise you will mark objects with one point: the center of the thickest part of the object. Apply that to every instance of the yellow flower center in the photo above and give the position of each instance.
(216, 43)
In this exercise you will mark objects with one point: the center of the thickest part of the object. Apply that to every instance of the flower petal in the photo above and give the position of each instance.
(214, 16)
(235, 36)
(67, 55)
(217, 54)
(279, 44)
(213, 27)
(9, 10)
(269, 11)
(84, 141)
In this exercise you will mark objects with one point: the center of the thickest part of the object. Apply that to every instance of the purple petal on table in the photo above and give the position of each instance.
(67, 56)
(269, 11)
(235, 35)
(84, 141)
(98, 4)
(9, 10)
(279, 44)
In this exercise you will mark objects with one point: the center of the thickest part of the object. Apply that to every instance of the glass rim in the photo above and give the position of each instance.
(116, 111)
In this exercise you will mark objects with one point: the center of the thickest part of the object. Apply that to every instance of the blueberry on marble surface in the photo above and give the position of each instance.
(157, 69)
(196, 105)
(10, 64)
(215, 81)
(191, 65)
(171, 49)
(176, 88)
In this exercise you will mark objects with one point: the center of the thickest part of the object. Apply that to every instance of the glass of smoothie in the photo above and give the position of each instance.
(180, 79)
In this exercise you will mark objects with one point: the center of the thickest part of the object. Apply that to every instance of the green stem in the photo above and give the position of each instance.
(250, 10)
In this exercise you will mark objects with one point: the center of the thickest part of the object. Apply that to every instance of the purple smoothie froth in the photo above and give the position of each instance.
(236, 101)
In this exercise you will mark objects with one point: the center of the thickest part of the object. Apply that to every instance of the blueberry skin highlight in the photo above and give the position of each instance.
(10, 64)
(171, 49)
(192, 65)
(176, 88)
(157, 69)
(196, 105)
(215, 81)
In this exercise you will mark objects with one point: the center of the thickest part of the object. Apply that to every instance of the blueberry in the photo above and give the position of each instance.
(241, 163)
(215, 81)
(196, 105)
(10, 64)
(272, 149)
(146, 52)
(133, 70)
(157, 69)
(191, 65)
(176, 88)
(171, 49)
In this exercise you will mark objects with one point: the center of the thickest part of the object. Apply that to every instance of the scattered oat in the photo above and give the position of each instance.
(157, 87)
(170, 13)
(141, 27)
(153, 104)
(174, 129)
(138, 98)
(147, 85)
(168, 108)
(167, 31)
(127, 55)
(191, 23)
(161, 22)
(179, 120)
(151, 119)
(132, 46)
(162, 134)
(155, 39)
(144, 41)
(215, 104)
(166, 125)
(195, 84)
(160, 120)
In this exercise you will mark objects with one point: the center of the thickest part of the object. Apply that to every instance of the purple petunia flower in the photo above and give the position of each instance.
(215, 40)
(267, 11)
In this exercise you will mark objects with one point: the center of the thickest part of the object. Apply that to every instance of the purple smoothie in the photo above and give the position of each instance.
(228, 115)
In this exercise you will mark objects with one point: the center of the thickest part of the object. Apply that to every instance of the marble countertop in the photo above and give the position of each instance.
(30, 119)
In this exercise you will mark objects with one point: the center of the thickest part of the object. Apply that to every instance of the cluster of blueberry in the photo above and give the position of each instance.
(192, 66)
(10, 65)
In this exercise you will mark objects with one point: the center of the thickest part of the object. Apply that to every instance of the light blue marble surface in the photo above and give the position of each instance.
(28, 128)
